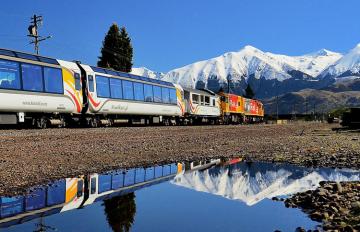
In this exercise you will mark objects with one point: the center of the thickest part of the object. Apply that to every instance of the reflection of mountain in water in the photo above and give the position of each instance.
(120, 212)
(253, 182)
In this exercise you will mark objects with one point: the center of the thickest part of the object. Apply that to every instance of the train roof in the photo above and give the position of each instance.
(48, 60)
(200, 91)
(28, 56)
(129, 75)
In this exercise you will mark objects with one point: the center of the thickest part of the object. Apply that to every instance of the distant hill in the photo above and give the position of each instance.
(310, 100)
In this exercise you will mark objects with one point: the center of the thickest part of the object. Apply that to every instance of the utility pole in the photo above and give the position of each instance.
(277, 107)
(228, 83)
(35, 22)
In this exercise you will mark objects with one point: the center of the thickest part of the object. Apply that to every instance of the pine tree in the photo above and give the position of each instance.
(117, 51)
(249, 93)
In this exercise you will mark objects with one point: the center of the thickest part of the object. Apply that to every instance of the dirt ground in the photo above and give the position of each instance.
(31, 157)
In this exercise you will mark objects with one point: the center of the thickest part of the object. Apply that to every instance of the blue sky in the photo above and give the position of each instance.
(168, 34)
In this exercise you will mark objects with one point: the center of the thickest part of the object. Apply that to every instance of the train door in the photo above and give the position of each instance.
(92, 190)
(88, 87)
(74, 193)
(73, 87)
(187, 101)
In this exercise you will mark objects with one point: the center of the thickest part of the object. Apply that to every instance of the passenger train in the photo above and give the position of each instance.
(42, 91)
(78, 192)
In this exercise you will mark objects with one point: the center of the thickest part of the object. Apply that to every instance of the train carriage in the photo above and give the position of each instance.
(232, 108)
(254, 110)
(37, 90)
(116, 95)
(201, 105)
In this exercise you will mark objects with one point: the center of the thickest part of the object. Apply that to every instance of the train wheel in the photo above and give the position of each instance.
(42, 123)
(166, 122)
(93, 122)
(63, 123)
(190, 121)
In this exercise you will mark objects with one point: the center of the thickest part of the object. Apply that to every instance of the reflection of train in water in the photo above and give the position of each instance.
(74, 193)
(42, 91)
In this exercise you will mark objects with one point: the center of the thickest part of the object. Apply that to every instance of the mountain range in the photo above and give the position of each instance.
(254, 182)
(270, 74)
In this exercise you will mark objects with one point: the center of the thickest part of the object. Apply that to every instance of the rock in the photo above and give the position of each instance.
(334, 209)
(316, 216)
(338, 187)
(300, 229)
(348, 228)
(355, 207)
(323, 192)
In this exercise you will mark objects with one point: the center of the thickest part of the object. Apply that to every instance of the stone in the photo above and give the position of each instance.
(334, 209)
(348, 228)
(355, 207)
(316, 216)
(300, 229)
(338, 187)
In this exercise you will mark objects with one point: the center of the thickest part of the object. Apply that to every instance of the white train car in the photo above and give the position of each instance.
(104, 186)
(114, 96)
(201, 105)
(37, 90)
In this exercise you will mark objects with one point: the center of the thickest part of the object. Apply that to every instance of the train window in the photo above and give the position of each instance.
(97, 69)
(128, 90)
(173, 97)
(239, 104)
(9, 75)
(207, 100)
(80, 186)
(47, 60)
(195, 98)
(165, 95)
(6, 53)
(138, 91)
(53, 80)
(157, 93)
(213, 102)
(115, 88)
(93, 185)
(111, 72)
(77, 81)
(202, 101)
(91, 83)
(32, 77)
(26, 56)
(148, 92)
(102, 86)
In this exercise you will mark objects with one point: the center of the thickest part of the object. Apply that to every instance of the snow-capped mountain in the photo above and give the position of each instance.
(251, 61)
(313, 63)
(269, 74)
(255, 182)
(236, 65)
(142, 71)
(348, 65)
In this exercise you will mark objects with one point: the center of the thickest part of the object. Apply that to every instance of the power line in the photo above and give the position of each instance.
(36, 21)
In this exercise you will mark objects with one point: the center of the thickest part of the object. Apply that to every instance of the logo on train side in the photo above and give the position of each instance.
(119, 107)
(34, 103)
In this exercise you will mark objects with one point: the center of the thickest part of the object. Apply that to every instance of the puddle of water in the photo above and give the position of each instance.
(201, 196)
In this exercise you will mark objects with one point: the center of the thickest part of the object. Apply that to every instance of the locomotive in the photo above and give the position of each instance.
(42, 91)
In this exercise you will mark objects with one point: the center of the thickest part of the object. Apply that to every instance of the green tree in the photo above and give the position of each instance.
(249, 93)
(120, 212)
(117, 51)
